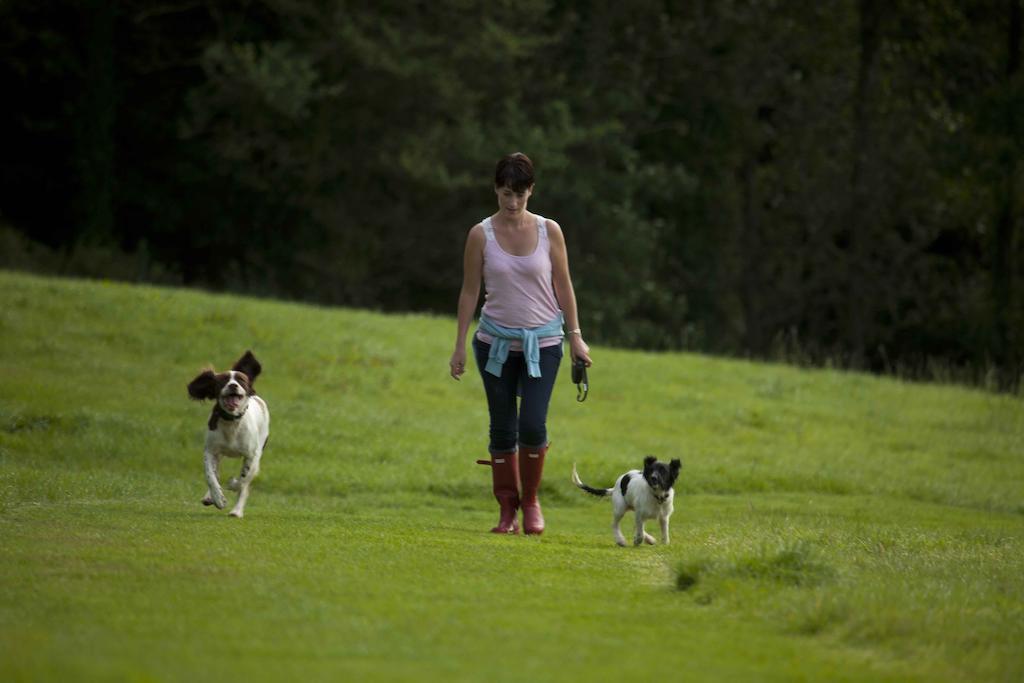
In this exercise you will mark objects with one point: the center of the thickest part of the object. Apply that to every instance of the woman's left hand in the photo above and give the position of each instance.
(579, 349)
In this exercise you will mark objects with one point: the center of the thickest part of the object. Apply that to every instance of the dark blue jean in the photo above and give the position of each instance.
(524, 424)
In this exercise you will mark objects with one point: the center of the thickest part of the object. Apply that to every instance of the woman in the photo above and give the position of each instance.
(522, 260)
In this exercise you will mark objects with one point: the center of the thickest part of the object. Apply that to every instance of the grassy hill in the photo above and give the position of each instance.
(829, 526)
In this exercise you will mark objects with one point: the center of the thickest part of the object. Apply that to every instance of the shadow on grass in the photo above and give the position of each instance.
(790, 564)
(13, 423)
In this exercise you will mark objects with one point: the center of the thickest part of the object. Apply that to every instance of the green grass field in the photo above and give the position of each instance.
(828, 526)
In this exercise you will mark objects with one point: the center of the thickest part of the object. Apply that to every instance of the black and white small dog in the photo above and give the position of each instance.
(238, 427)
(647, 493)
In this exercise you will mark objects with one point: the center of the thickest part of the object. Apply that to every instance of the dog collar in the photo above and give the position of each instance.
(225, 415)
(221, 414)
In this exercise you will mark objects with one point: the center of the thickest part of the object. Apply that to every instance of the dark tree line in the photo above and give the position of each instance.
(820, 180)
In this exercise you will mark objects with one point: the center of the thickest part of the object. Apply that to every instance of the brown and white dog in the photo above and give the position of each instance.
(238, 428)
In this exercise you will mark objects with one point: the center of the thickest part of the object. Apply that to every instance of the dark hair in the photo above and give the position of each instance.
(515, 171)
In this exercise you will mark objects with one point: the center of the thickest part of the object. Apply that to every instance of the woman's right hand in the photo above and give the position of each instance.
(457, 365)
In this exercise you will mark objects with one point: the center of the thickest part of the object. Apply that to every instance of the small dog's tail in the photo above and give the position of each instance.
(589, 489)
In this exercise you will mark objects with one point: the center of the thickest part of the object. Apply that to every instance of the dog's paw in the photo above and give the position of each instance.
(220, 501)
(638, 540)
(236, 513)
(621, 542)
(207, 500)
(234, 484)
(648, 539)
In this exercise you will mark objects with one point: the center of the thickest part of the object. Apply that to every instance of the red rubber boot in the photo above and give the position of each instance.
(505, 480)
(531, 464)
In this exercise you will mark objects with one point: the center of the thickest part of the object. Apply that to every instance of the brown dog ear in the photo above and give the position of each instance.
(204, 386)
(249, 365)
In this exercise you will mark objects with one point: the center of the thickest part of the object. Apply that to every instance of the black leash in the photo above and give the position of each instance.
(579, 378)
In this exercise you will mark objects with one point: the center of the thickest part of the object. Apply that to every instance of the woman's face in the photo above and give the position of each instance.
(512, 203)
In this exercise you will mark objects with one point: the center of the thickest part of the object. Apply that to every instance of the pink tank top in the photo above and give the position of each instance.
(518, 289)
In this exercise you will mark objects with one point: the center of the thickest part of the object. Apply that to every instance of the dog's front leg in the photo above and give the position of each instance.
(250, 468)
(211, 462)
(663, 520)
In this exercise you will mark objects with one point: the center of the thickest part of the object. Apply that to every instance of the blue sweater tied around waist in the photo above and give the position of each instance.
(529, 336)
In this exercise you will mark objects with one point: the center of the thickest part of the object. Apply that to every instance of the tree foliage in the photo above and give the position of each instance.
(823, 180)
